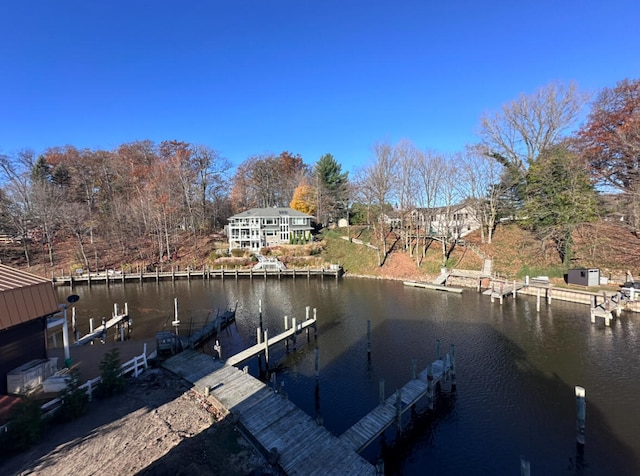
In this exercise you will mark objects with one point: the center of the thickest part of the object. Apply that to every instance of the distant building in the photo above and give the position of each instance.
(262, 227)
(452, 223)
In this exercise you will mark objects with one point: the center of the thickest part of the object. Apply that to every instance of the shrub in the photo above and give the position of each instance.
(26, 426)
(237, 252)
(112, 380)
(75, 401)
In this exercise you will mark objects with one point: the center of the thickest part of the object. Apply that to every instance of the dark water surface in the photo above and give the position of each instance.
(516, 368)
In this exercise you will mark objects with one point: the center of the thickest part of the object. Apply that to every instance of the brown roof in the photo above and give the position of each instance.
(24, 296)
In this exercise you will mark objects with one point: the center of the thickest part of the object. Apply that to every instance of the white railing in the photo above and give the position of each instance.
(134, 366)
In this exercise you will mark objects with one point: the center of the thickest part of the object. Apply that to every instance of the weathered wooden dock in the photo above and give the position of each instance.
(205, 273)
(264, 342)
(285, 434)
(100, 332)
(436, 287)
(390, 411)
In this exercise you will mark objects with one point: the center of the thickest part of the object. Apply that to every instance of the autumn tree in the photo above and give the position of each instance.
(304, 199)
(267, 181)
(610, 142)
(559, 197)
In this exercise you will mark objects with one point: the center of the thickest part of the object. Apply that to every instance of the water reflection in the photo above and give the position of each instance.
(516, 367)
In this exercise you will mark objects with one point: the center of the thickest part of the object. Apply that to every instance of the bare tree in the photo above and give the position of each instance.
(531, 123)
(430, 168)
(481, 188)
(378, 183)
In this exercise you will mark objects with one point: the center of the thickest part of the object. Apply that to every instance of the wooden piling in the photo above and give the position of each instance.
(452, 370)
(538, 300)
(581, 412)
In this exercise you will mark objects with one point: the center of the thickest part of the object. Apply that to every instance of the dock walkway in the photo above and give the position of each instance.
(333, 271)
(98, 332)
(365, 431)
(277, 426)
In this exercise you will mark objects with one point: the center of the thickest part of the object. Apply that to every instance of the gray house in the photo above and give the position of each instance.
(262, 227)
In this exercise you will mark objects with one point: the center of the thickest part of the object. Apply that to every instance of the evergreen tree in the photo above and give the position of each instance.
(558, 196)
(331, 188)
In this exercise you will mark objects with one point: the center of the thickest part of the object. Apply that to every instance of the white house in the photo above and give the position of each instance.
(452, 222)
(262, 227)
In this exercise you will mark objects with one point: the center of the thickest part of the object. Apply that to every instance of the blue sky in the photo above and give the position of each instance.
(249, 77)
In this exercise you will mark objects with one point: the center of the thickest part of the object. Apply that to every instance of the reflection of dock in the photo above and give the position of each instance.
(285, 434)
(390, 411)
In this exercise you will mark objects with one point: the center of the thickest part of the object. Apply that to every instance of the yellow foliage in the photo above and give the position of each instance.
(304, 198)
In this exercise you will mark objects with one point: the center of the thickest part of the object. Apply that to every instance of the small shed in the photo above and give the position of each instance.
(584, 276)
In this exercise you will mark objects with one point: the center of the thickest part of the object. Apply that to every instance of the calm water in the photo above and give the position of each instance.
(516, 369)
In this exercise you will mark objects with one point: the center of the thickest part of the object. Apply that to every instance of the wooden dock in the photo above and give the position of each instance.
(100, 332)
(264, 342)
(285, 434)
(436, 287)
(502, 290)
(390, 411)
(205, 273)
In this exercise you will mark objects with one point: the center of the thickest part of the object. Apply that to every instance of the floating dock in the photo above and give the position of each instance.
(435, 287)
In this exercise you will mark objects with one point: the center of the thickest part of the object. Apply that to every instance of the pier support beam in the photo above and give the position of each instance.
(581, 413)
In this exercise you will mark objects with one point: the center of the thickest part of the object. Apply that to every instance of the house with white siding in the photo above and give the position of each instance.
(263, 227)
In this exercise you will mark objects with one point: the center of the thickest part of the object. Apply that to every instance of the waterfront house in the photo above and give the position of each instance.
(263, 227)
(26, 301)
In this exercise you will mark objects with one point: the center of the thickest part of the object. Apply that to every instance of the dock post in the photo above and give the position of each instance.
(381, 391)
(399, 411)
(549, 295)
(90, 325)
(493, 290)
(260, 316)
(295, 332)
(515, 290)
(115, 309)
(140, 274)
(452, 354)
(173, 274)
(286, 323)
(122, 272)
(414, 364)
(126, 308)
(89, 277)
(157, 275)
(525, 467)
(581, 413)
(501, 293)
(74, 321)
(538, 300)
(266, 348)
(258, 336)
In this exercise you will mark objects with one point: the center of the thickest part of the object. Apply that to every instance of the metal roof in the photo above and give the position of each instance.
(269, 212)
(24, 297)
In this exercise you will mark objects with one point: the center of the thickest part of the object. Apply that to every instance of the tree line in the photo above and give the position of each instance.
(534, 161)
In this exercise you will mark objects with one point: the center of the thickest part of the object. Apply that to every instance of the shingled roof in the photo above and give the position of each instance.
(24, 296)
